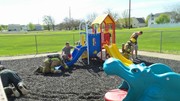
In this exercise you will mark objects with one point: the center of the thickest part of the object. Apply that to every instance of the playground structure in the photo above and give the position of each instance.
(157, 82)
(105, 25)
(103, 32)
(92, 41)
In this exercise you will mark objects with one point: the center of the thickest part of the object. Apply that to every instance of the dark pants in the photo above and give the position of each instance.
(9, 77)
(8, 91)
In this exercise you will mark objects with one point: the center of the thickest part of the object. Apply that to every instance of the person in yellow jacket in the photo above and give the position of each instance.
(127, 50)
(134, 39)
(52, 64)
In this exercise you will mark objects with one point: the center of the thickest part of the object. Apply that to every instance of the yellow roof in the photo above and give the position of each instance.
(103, 18)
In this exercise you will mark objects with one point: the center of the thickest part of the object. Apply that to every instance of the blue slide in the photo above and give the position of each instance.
(76, 54)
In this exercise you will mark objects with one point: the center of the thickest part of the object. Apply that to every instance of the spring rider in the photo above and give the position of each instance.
(157, 82)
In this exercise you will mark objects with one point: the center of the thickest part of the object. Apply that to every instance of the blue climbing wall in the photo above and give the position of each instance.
(94, 44)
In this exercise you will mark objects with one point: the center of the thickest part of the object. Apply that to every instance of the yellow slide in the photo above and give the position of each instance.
(114, 52)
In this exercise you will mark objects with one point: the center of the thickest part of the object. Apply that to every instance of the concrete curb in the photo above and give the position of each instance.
(24, 56)
(160, 55)
(143, 53)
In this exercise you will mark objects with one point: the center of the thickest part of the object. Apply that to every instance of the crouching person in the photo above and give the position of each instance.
(52, 64)
(127, 50)
(12, 83)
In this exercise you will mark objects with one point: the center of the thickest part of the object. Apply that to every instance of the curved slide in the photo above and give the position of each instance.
(114, 52)
(76, 54)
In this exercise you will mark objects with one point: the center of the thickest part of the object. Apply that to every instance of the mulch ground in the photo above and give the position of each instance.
(82, 83)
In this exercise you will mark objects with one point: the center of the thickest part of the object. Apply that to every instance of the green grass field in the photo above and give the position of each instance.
(53, 41)
(164, 40)
(25, 43)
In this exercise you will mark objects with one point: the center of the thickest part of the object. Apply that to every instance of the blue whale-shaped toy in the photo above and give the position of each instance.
(156, 82)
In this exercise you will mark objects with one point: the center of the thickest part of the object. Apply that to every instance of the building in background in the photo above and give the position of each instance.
(153, 17)
(152, 20)
(24, 28)
(14, 27)
(18, 27)
(138, 22)
(38, 27)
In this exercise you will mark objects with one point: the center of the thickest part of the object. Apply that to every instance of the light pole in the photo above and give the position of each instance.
(129, 13)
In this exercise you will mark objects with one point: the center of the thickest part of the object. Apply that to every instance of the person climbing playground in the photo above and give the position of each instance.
(66, 51)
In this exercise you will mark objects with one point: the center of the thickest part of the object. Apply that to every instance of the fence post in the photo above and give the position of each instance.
(36, 44)
(161, 42)
(73, 39)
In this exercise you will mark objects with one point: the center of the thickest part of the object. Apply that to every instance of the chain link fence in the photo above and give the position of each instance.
(156, 41)
(34, 44)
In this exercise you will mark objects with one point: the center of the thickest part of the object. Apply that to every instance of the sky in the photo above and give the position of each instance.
(25, 11)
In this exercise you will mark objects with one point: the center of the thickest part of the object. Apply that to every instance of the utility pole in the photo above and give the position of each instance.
(129, 14)
(69, 12)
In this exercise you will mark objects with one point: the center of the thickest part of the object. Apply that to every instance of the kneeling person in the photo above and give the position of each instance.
(12, 83)
(50, 64)
(127, 50)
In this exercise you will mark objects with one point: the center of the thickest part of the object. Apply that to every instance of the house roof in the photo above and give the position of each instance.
(140, 20)
(103, 18)
(157, 14)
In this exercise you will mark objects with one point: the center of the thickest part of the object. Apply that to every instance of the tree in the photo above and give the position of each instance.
(69, 24)
(4, 27)
(91, 17)
(0, 28)
(75, 24)
(163, 18)
(113, 14)
(60, 26)
(49, 22)
(176, 13)
(31, 26)
(125, 18)
(147, 19)
(119, 23)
